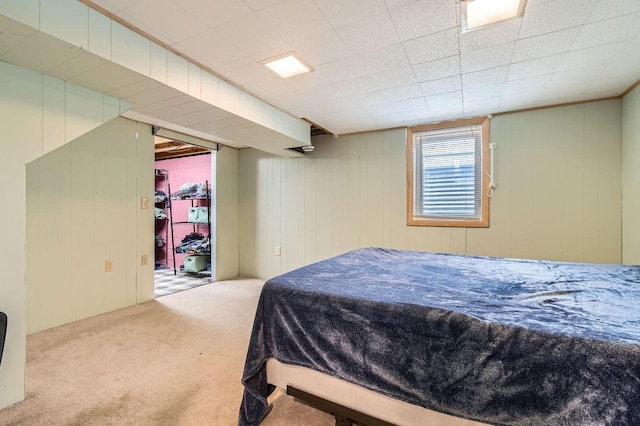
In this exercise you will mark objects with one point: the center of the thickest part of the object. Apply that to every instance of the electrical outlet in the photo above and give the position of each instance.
(144, 259)
(277, 251)
(108, 265)
(144, 203)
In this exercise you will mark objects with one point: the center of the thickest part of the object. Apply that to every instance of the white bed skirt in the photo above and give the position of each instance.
(357, 398)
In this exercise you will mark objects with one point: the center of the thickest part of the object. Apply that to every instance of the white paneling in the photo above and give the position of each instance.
(195, 81)
(226, 207)
(25, 11)
(130, 49)
(158, 63)
(557, 195)
(209, 89)
(177, 72)
(53, 123)
(631, 177)
(85, 109)
(99, 34)
(145, 163)
(67, 20)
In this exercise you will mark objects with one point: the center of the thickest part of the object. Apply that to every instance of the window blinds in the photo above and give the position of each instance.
(448, 173)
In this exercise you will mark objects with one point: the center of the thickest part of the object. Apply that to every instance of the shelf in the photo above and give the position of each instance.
(191, 223)
(190, 199)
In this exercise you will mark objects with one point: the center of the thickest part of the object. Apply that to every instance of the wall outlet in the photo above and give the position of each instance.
(277, 251)
(108, 265)
(144, 259)
(144, 203)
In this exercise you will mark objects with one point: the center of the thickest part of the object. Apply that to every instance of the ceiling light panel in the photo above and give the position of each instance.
(287, 65)
(478, 13)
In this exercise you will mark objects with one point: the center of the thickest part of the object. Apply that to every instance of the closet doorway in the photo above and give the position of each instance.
(184, 248)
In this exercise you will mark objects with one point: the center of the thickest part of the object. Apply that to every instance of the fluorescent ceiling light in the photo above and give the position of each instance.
(287, 65)
(479, 13)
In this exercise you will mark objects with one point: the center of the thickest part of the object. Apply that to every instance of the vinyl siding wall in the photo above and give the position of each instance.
(558, 195)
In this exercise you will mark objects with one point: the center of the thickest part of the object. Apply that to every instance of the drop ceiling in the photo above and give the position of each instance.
(382, 64)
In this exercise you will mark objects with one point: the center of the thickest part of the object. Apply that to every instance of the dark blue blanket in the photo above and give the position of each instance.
(502, 341)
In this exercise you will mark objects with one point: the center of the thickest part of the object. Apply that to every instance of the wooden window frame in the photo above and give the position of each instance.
(483, 221)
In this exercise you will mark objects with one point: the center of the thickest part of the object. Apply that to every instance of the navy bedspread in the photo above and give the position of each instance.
(502, 341)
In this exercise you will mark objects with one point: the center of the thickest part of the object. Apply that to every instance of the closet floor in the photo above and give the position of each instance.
(165, 282)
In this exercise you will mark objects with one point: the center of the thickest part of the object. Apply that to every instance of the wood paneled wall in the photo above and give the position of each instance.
(39, 114)
(631, 178)
(84, 208)
(558, 195)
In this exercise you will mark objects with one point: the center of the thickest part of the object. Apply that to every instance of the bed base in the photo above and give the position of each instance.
(344, 416)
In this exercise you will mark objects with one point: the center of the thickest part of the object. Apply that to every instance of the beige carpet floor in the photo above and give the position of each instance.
(176, 360)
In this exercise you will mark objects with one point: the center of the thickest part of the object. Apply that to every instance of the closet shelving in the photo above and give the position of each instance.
(199, 227)
(161, 227)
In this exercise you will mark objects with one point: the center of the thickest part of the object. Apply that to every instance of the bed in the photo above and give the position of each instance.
(493, 340)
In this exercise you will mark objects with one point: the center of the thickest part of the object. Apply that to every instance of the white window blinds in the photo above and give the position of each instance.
(448, 173)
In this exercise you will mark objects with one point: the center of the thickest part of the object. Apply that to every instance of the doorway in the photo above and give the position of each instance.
(183, 216)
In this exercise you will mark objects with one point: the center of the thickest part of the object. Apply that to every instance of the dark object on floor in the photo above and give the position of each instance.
(3, 332)
(344, 415)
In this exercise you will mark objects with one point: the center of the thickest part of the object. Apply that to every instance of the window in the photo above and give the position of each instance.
(448, 174)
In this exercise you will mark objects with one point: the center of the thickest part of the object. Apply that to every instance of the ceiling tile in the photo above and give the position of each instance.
(41, 53)
(437, 69)
(76, 66)
(576, 76)
(343, 12)
(400, 93)
(609, 31)
(245, 71)
(115, 5)
(414, 104)
(535, 67)
(544, 45)
(444, 99)
(260, 38)
(366, 35)
(384, 59)
(212, 49)
(485, 77)
(364, 84)
(309, 81)
(432, 47)
(526, 85)
(295, 19)
(585, 58)
(481, 107)
(394, 78)
(443, 85)
(483, 92)
(410, 19)
(555, 15)
(321, 48)
(446, 112)
(342, 69)
(490, 57)
(212, 13)
(167, 18)
(258, 4)
(369, 99)
(607, 9)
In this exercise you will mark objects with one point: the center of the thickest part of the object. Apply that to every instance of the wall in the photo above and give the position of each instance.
(558, 195)
(631, 177)
(226, 217)
(195, 169)
(83, 208)
(39, 114)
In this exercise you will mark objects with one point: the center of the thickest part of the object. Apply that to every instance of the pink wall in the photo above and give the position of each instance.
(195, 169)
